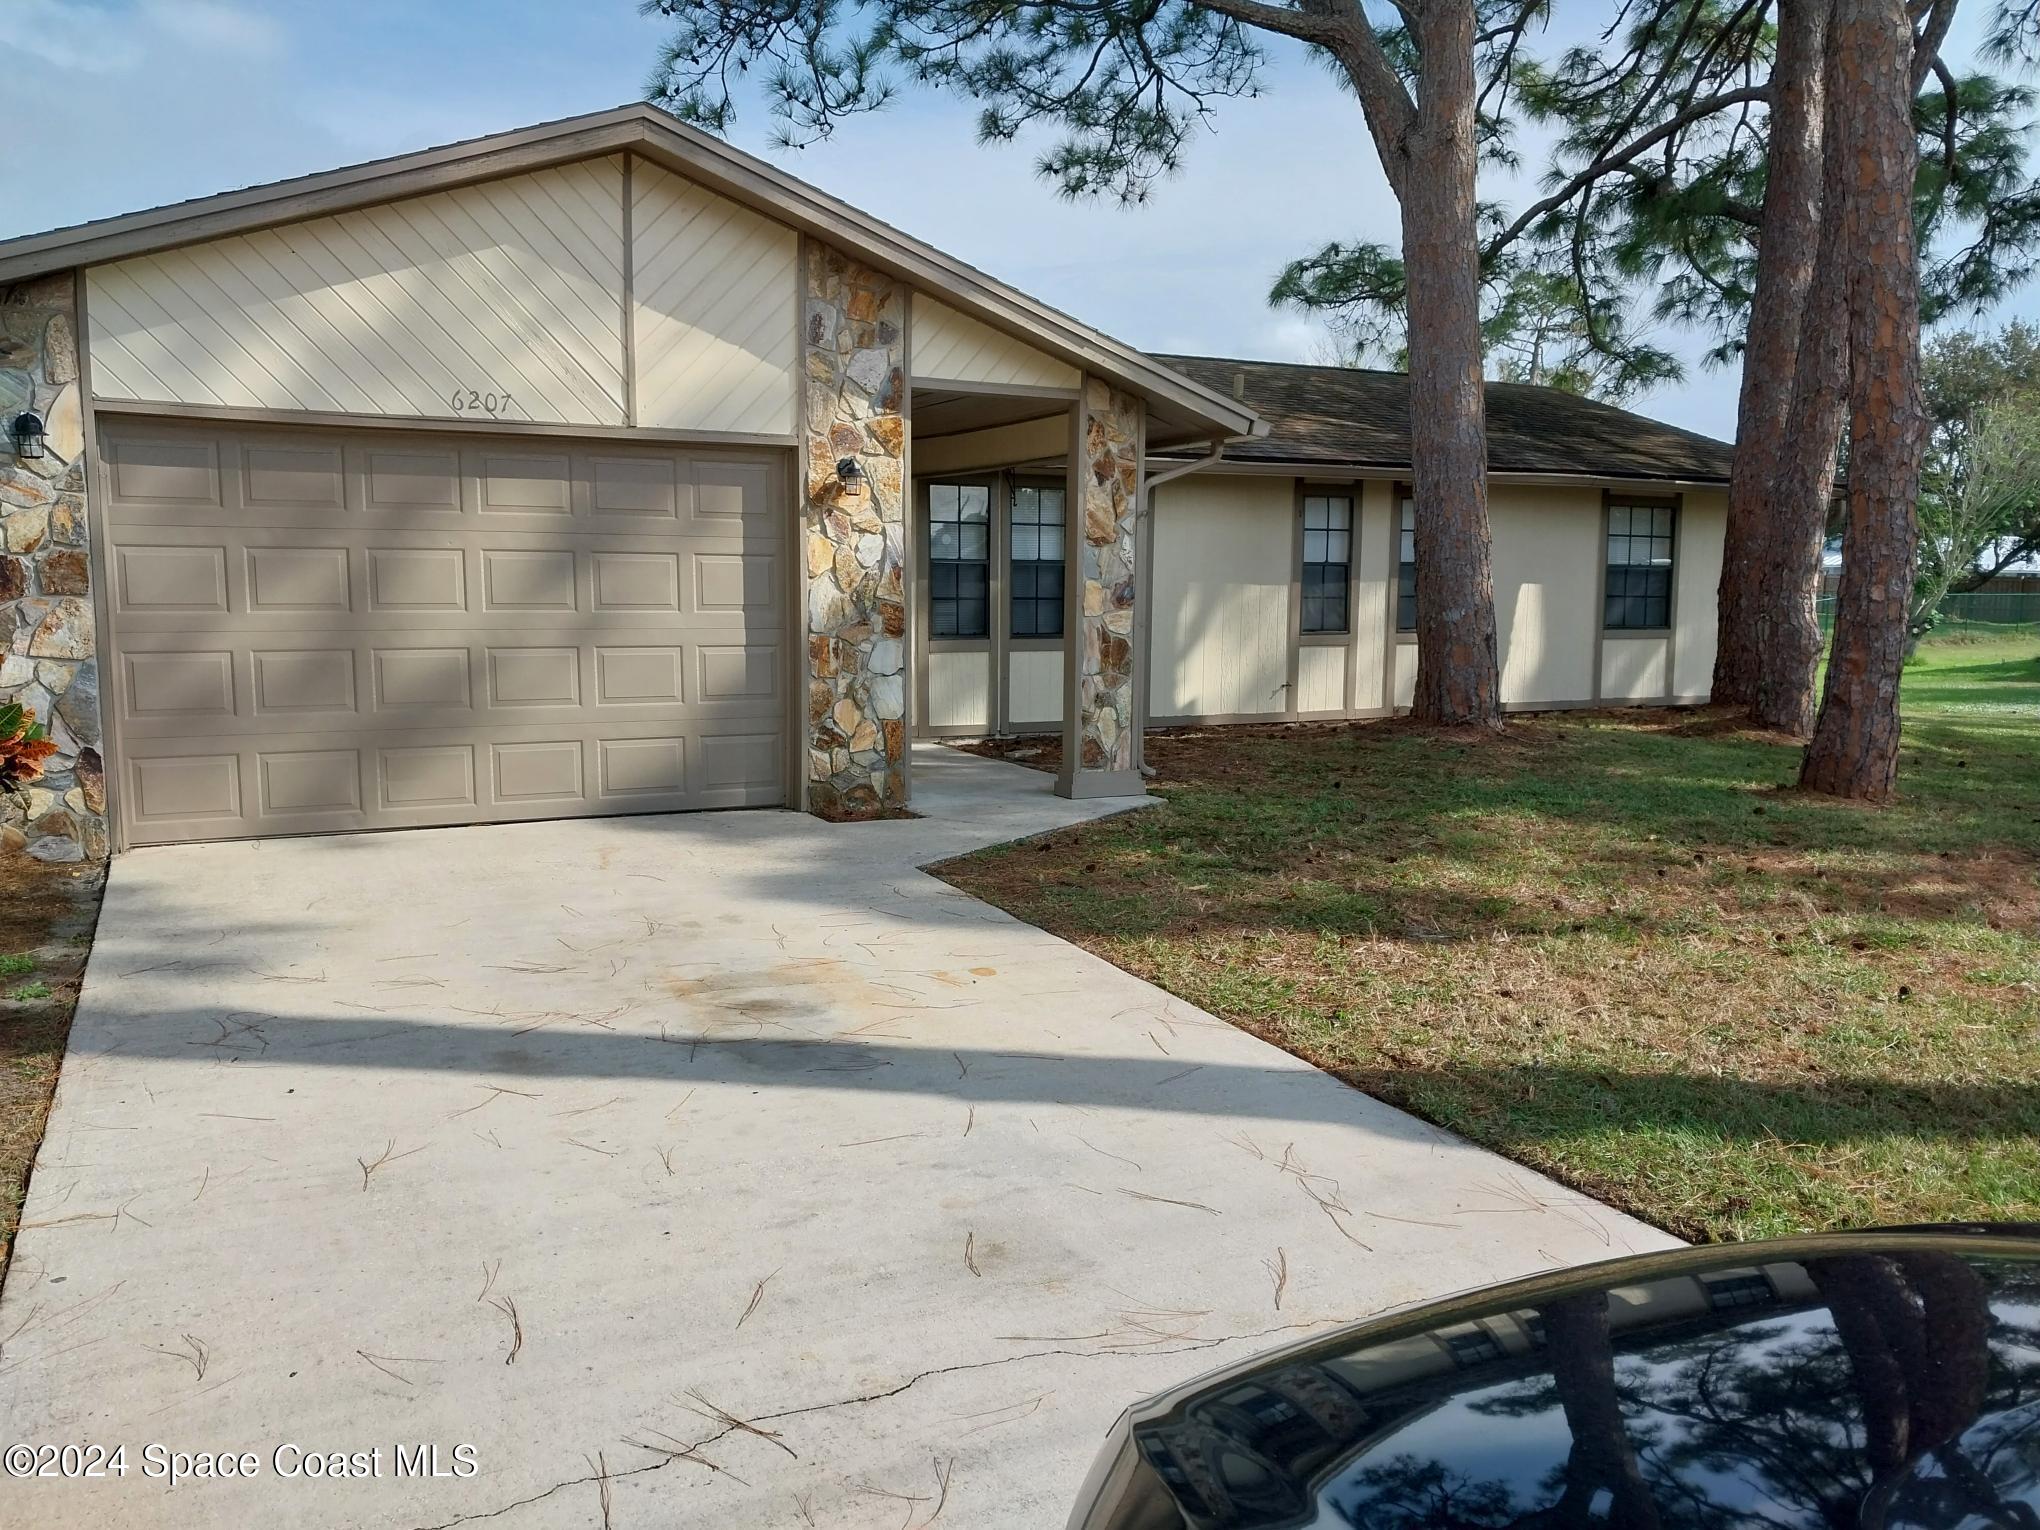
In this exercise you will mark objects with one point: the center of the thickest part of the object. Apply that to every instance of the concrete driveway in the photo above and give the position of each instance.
(719, 1170)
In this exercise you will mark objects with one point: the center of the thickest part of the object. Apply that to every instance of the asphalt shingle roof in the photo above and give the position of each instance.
(1354, 417)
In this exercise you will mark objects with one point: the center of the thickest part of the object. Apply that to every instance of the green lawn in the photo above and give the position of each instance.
(1615, 946)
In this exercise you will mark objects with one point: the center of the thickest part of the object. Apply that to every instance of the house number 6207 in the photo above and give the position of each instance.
(474, 401)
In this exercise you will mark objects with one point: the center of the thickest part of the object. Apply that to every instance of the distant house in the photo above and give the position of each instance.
(597, 467)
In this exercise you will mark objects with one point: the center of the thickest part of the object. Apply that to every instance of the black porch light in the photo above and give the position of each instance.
(849, 472)
(28, 433)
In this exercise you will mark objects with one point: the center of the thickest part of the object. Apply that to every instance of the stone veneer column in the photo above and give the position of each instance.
(853, 344)
(1099, 735)
(47, 645)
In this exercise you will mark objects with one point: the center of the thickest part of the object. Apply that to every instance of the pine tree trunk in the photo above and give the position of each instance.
(1785, 263)
(1854, 752)
(1783, 628)
(1458, 677)
(1603, 1456)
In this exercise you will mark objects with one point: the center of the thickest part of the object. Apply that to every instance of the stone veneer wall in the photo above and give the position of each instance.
(853, 343)
(47, 647)
(1110, 491)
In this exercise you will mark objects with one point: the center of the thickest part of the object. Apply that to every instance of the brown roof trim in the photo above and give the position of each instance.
(663, 139)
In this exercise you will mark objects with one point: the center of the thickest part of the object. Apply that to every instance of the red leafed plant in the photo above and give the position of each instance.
(23, 747)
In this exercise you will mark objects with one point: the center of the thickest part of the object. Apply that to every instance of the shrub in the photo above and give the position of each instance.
(23, 747)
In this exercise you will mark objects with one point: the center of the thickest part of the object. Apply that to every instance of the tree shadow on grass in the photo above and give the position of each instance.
(1618, 823)
(1566, 1102)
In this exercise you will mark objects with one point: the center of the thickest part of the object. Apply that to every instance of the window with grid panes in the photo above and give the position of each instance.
(1327, 561)
(1406, 569)
(1639, 594)
(1035, 578)
(959, 560)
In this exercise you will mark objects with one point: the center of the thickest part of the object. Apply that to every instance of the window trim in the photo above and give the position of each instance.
(1676, 503)
(1330, 637)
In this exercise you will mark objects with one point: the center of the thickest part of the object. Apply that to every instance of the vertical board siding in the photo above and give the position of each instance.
(1321, 678)
(1547, 547)
(508, 287)
(1221, 591)
(953, 347)
(1632, 669)
(716, 295)
(1703, 524)
(1370, 597)
(1223, 550)
(1405, 675)
(1035, 680)
(960, 688)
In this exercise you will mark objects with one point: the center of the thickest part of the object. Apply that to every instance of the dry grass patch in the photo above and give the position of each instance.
(46, 919)
(1615, 946)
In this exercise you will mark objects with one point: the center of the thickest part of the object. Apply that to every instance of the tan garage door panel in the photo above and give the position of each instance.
(347, 630)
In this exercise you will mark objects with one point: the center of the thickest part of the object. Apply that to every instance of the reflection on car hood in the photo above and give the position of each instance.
(1878, 1379)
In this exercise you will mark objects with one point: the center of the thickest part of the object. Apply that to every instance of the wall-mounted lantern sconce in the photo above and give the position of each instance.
(848, 473)
(28, 434)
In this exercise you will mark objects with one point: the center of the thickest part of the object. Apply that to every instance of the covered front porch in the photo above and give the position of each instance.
(974, 524)
(1026, 582)
(1031, 570)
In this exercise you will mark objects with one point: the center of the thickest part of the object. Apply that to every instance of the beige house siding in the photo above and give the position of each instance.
(1224, 638)
(1034, 697)
(1321, 678)
(508, 291)
(1547, 550)
(1371, 596)
(714, 287)
(1406, 675)
(1632, 668)
(960, 689)
(1221, 622)
(953, 347)
(1704, 528)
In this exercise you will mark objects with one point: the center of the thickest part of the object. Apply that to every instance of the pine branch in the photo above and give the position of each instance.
(1619, 159)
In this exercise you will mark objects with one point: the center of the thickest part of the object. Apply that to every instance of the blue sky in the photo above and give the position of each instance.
(120, 104)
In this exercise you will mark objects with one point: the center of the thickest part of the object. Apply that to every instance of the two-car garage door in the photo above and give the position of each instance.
(315, 631)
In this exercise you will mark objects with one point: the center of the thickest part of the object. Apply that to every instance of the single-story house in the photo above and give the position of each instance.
(598, 467)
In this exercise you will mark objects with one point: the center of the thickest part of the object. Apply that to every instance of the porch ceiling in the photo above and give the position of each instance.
(940, 411)
(948, 412)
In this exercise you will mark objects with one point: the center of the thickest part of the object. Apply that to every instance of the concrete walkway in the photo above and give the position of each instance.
(574, 1143)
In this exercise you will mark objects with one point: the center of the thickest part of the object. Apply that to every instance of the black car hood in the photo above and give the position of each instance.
(1876, 1379)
